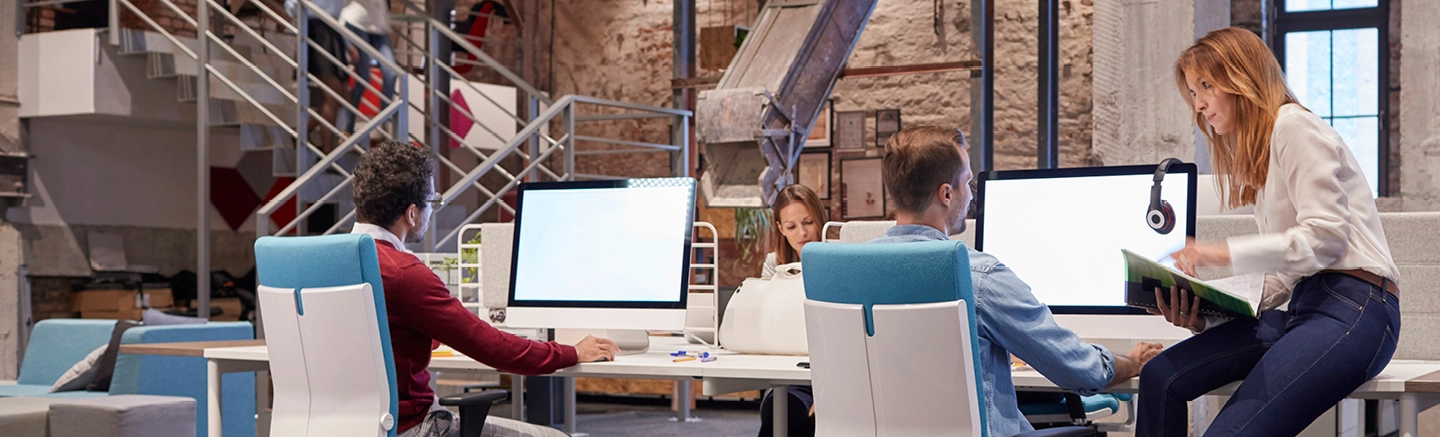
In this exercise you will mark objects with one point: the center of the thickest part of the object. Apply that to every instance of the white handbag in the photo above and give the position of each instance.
(767, 316)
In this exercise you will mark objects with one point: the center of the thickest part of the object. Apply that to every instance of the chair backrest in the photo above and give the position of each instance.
(900, 317)
(57, 344)
(860, 232)
(327, 335)
(186, 376)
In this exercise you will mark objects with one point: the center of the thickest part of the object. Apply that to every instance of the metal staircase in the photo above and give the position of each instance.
(249, 78)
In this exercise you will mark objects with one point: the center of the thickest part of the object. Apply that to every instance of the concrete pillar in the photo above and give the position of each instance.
(1209, 15)
(1420, 106)
(1140, 118)
(11, 325)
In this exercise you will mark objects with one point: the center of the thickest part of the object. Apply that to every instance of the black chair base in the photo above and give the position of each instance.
(1064, 431)
(474, 407)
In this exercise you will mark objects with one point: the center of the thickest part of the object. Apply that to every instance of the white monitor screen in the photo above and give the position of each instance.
(1061, 231)
(607, 244)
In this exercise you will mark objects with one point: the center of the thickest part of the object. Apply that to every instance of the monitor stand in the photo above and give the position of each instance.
(631, 341)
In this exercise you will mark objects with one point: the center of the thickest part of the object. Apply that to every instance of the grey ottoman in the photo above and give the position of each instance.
(123, 416)
(24, 417)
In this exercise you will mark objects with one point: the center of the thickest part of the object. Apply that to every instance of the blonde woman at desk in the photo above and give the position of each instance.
(798, 215)
(1320, 246)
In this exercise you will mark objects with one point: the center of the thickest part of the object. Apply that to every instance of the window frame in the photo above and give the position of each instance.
(1343, 19)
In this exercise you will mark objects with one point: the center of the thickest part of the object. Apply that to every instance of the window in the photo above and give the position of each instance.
(1336, 58)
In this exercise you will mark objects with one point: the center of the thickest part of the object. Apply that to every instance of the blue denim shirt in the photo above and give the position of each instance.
(1011, 321)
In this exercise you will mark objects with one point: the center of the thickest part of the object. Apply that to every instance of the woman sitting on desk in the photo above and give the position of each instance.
(1320, 239)
(798, 214)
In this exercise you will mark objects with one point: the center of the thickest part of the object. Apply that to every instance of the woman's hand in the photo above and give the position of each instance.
(1200, 253)
(1184, 314)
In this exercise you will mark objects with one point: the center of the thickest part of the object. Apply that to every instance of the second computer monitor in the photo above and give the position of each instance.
(1061, 231)
(602, 254)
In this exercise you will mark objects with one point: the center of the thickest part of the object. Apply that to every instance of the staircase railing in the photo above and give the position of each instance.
(396, 108)
(545, 157)
(532, 145)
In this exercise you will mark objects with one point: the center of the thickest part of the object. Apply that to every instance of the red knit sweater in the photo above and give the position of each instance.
(421, 310)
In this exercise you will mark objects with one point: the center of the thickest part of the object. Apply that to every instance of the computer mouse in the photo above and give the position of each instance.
(602, 359)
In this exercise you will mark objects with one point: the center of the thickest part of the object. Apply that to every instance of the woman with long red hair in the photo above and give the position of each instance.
(1320, 246)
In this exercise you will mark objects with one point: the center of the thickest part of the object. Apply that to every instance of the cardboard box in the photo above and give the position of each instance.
(129, 314)
(118, 300)
(229, 307)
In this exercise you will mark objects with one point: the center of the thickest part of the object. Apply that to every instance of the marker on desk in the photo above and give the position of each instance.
(707, 358)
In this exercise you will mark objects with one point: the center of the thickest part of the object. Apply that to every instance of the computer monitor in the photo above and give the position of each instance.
(602, 254)
(1061, 230)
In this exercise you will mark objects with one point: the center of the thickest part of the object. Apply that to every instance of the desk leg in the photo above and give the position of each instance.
(682, 401)
(780, 404)
(1409, 415)
(569, 406)
(517, 397)
(213, 391)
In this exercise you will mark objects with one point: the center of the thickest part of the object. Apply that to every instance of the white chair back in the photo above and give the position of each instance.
(914, 351)
(327, 362)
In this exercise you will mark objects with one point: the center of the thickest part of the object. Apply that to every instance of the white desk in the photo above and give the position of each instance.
(729, 373)
(1415, 383)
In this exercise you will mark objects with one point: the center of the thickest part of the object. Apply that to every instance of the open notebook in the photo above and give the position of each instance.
(1237, 296)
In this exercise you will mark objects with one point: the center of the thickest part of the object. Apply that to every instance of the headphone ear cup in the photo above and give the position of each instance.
(1169, 218)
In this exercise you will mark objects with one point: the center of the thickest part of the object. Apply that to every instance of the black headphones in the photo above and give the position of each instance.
(1161, 217)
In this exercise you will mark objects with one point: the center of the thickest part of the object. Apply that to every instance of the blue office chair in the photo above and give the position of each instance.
(323, 311)
(893, 345)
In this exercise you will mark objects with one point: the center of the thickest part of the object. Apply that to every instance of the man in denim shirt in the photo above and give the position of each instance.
(928, 176)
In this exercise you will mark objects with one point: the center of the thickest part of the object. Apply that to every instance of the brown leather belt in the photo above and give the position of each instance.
(1374, 279)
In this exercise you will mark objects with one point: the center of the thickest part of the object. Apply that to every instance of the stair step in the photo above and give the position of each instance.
(262, 92)
(255, 137)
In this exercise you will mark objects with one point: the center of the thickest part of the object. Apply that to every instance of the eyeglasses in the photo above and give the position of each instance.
(435, 200)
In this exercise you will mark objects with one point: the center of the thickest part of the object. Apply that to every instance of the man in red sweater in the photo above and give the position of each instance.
(394, 193)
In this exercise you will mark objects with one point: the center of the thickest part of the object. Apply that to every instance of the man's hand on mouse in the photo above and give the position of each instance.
(592, 349)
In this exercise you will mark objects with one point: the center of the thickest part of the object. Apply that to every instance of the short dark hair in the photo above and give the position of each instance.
(391, 177)
(917, 161)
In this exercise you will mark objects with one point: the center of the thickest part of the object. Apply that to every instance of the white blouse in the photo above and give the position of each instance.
(1314, 213)
(767, 270)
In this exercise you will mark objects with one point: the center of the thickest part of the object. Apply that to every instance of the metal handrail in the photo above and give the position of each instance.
(564, 106)
(314, 171)
(351, 37)
(465, 44)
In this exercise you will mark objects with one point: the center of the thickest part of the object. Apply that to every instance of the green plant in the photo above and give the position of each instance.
(752, 229)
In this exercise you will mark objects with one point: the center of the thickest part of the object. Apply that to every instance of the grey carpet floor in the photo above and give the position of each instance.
(639, 420)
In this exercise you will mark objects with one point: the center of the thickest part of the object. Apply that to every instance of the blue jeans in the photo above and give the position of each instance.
(381, 42)
(1339, 332)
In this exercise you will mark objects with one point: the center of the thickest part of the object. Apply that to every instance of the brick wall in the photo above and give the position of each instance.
(162, 15)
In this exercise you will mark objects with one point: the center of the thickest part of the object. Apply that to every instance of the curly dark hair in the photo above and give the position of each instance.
(390, 178)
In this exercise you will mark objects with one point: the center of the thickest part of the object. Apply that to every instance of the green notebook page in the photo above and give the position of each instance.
(1138, 268)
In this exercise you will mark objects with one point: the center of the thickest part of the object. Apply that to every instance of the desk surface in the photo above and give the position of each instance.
(768, 370)
(1400, 376)
(186, 349)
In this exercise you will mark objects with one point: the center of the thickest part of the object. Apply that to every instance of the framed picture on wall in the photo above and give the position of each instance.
(887, 123)
(850, 130)
(813, 171)
(862, 192)
(820, 132)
